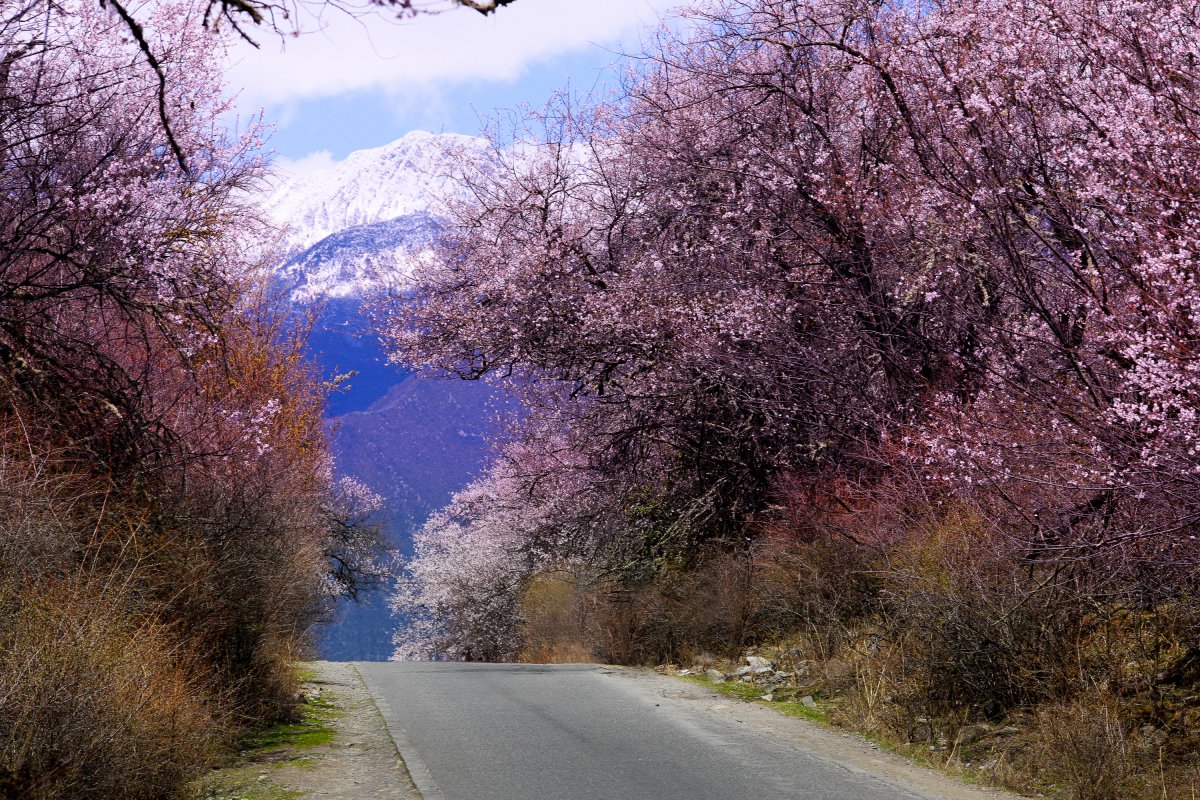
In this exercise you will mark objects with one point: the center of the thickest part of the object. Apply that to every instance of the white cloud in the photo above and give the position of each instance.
(347, 54)
(291, 168)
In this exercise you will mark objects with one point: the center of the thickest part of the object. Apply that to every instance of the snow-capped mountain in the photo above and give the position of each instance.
(369, 186)
(365, 220)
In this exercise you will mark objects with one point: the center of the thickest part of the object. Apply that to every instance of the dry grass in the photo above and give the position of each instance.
(95, 703)
(1084, 745)
(558, 620)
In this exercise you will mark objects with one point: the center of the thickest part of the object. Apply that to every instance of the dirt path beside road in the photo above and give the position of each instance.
(361, 761)
(341, 750)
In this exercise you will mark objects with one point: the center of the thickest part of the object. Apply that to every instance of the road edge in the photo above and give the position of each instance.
(847, 749)
(418, 773)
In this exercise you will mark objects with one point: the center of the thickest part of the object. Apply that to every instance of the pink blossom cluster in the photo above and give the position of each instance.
(133, 326)
(116, 264)
(821, 238)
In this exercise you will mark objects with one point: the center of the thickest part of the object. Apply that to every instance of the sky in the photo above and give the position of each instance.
(348, 84)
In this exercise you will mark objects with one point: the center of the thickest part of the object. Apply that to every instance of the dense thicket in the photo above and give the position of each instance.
(169, 529)
(830, 259)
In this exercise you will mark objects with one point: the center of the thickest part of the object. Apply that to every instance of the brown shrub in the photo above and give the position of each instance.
(710, 607)
(983, 631)
(1084, 745)
(927, 623)
(243, 594)
(166, 528)
(816, 583)
(94, 703)
(733, 598)
(559, 624)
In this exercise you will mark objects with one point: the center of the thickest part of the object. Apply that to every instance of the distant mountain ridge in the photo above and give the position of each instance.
(356, 261)
(415, 446)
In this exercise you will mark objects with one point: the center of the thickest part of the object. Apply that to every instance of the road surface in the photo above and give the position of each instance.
(586, 732)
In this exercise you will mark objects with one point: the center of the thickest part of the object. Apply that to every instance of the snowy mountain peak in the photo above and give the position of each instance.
(356, 261)
(369, 186)
(367, 216)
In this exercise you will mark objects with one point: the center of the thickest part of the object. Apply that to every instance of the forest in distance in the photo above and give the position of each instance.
(859, 334)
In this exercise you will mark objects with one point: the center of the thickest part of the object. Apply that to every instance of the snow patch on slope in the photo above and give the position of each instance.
(374, 185)
(353, 262)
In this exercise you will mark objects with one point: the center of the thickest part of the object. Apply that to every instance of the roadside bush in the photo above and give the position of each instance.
(683, 611)
(95, 703)
(817, 581)
(818, 585)
(253, 574)
(170, 530)
(927, 625)
(1085, 746)
(558, 620)
(983, 632)
(808, 572)
(44, 506)
(148, 615)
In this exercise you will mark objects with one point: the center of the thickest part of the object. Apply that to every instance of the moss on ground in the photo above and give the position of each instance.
(243, 783)
(312, 730)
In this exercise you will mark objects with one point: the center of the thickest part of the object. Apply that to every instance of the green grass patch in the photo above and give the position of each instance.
(248, 776)
(796, 709)
(248, 782)
(314, 728)
(299, 735)
(306, 674)
(750, 693)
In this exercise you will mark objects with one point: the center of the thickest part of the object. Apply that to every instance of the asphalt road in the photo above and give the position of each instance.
(568, 732)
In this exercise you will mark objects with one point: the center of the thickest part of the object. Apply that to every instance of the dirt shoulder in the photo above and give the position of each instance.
(342, 750)
(850, 750)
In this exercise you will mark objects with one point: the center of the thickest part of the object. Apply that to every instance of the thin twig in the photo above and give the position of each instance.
(140, 37)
